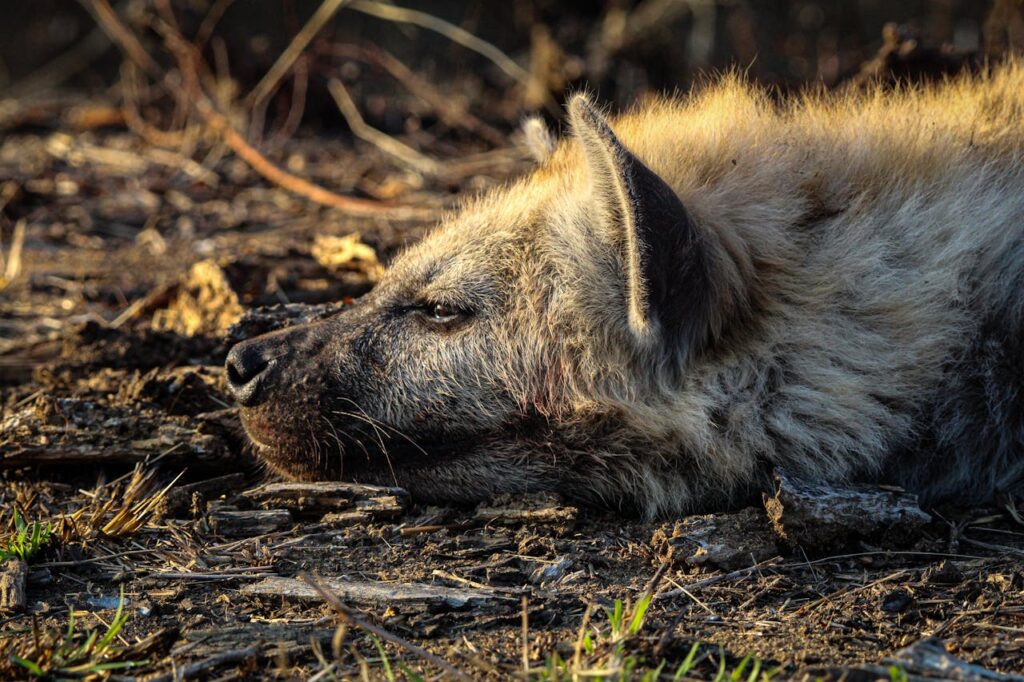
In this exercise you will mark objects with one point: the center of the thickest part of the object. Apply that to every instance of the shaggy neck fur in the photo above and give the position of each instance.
(856, 242)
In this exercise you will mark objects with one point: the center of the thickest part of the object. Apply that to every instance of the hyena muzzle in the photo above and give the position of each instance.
(681, 298)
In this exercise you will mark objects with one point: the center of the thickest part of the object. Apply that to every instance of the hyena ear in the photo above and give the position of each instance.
(668, 287)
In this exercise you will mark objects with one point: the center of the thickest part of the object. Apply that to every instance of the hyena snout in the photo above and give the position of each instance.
(247, 365)
(260, 369)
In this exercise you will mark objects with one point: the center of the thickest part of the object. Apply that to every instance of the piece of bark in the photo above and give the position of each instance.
(12, 585)
(384, 507)
(346, 518)
(243, 524)
(929, 659)
(370, 592)
(535, 509)
(923, 661)
(179, 499)
(324, 496)
(728, 541)
(819, 516)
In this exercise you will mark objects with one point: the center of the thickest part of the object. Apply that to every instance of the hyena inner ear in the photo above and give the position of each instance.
(538, 138)
(668, 287)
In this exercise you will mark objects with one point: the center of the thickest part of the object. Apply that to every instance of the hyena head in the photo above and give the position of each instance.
(513, 349)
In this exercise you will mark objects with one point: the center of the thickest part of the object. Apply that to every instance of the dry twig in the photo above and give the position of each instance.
(387, 144)
(348, 617)
(284, 63)
(193, 96)
(456, 34)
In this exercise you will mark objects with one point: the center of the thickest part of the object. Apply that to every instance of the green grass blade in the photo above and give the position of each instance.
(737, 674)
(410, 674)
(115, 625)
(641, 611)
(31, 666)
(389, 674)
(687, 665)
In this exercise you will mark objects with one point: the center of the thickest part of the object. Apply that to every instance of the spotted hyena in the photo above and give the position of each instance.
(680, 298)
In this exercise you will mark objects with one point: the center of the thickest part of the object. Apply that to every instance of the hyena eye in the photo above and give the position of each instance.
(439, 313)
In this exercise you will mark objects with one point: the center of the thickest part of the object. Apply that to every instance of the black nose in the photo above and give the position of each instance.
(246, 365)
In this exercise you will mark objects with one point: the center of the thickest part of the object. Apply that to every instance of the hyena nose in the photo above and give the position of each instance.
(246, 365)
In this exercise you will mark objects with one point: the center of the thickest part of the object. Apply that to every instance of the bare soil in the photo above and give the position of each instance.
(111, 351)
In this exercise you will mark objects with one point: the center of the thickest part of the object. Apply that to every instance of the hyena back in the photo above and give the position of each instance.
(683, 297)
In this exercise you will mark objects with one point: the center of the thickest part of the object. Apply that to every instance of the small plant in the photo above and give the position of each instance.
(79, 654)
(604, 654)
(27, 540)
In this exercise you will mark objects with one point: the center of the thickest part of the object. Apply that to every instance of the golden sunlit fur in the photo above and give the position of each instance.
(863, 239)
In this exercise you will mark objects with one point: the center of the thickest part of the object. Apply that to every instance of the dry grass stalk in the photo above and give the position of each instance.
(12, 262)
(348, 618)
(451, 110)
(192, 95)
(299, 43)
(114, 512)
(387, 144)
(454, 33)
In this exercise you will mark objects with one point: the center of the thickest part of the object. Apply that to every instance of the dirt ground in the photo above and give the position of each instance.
(135, 266)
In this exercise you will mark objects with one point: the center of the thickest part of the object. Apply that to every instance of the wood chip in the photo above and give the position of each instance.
(12, 585)
(243, 524)
(323, 497)
(540, 509)
(818, 516)
(369, 592)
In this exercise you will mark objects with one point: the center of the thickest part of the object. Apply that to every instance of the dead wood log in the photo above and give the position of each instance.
(12, 585)
(819, 516)
(244, 524)
(322, 497)
(369, 592)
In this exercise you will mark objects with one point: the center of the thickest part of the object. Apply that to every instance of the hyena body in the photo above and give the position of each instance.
(678, 300)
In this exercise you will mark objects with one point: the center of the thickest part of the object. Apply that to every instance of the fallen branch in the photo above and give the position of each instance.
(348, 616)
(193, 670)
(217, 123)
(284, 63)
(451, 111)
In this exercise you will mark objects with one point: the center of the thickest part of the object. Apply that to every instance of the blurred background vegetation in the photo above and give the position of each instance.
(623, 49)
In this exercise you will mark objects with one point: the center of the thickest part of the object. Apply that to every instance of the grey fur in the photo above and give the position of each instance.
(853, 312)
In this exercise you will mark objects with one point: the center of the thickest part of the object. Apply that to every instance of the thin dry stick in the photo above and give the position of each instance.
(525, 626)
(12, 268)
(451, 111)
(273, 77)
(349, 616)
(300, 84)
(217, 123)
(384, 142)
(577, 656)
(210, 22)
(454, 33)
(259, 163)
(715, 579)
(108, 20)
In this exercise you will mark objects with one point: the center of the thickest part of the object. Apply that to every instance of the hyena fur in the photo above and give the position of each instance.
(679, 299)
